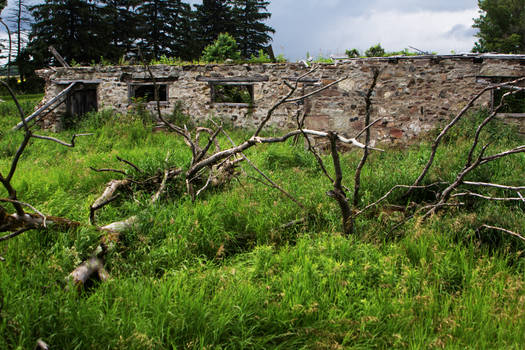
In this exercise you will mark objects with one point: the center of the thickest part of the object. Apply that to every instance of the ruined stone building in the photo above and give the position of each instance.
(413, 94)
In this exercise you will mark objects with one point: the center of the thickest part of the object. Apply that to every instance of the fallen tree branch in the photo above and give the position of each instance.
(502, 230)
(130, 164)
(472, 194)
(71, 144)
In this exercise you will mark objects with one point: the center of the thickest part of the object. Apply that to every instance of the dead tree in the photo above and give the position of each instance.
(447, 196)
(21, 220)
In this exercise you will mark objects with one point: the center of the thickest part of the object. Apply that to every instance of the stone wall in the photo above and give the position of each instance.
(413, 94)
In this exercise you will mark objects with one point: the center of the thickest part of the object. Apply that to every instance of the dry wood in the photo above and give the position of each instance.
(87, 269)
(130, 164)
(338, 193)
(107, 197)
(486, 184)
(453, 122)
(368, 102)
(41, 345)
(502, 230)
(473, 194)
(71, 144)
(40, 110)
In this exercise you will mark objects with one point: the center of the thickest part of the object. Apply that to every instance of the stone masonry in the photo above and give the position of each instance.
(413, 94)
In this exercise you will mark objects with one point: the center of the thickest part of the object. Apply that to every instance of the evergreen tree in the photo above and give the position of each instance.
(501, 26)
(251, 33)
(212, 18)
(19, 20)
(165, 27)
(120, 16)
(74, 27)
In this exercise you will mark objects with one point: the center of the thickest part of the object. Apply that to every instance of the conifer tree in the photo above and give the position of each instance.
(251, 33)
(165, 27)
(120, 16)
(212, 18)
(74, 27)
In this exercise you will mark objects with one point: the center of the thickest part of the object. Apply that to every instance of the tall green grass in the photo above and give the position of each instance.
(222, 273)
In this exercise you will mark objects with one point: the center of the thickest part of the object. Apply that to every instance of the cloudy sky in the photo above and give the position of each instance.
(326, 27)
(331, 26)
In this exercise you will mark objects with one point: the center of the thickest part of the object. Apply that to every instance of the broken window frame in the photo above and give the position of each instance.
(491, 80)
(134, 85)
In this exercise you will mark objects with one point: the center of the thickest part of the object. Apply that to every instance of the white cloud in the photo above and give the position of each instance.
(429, 31)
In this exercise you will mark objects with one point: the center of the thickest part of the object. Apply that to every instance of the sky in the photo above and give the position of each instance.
(330, 27)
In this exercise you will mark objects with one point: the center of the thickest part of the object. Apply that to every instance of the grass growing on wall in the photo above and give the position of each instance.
(221, 273)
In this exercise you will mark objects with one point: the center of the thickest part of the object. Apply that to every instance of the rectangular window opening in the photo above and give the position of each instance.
(146, 92)
(513, 104)
(232, 93)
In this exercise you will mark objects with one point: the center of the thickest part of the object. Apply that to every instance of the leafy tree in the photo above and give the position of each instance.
(250, 31)
(212, 18)
(501, 26)
(225, 47)
(375, 51)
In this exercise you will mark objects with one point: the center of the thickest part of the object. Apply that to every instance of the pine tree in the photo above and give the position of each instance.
(74, 27)
(501, 26)
(251, 33)
(212, 18)
(165, 27)
(19, 20)
(120, 16)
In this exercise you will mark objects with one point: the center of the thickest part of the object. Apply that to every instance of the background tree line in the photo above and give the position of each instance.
(89, 31)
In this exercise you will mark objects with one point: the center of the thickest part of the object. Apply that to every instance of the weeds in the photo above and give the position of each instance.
(224, 273)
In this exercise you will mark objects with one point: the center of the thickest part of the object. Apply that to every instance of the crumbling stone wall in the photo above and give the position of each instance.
(413, 94)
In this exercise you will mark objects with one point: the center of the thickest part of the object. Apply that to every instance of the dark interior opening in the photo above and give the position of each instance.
(513, 103)
(82, 101)
(232, 93)
(146, 92)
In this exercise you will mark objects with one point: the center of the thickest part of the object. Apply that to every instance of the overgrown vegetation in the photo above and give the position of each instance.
(227, 272)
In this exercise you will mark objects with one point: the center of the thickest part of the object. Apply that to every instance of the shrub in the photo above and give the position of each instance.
(225, 47)
(353, 53)
(375, 51)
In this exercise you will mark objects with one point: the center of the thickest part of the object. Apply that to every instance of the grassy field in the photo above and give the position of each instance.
(222, 273)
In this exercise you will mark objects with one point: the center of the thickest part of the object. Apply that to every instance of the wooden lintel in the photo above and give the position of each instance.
(246, 79)
(67, 82)
(302, 80)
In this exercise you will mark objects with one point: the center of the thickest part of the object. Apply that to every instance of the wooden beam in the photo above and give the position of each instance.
(39, 111)
(58, 57)
(247, 79)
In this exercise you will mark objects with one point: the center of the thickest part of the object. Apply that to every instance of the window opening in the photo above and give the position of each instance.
(514, 104)
(232, 93)
(146, 92)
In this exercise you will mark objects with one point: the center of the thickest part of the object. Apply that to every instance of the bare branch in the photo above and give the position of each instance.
(14, 234)
(338, 193)
(502, 230)
(386, 195)
(453, 122)
(485, 184)
(297, 99)
(71, 144)
(266, 177)
(106, 170)
(130, 164)
(472, 194)
(357, 177)
(7, 200)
